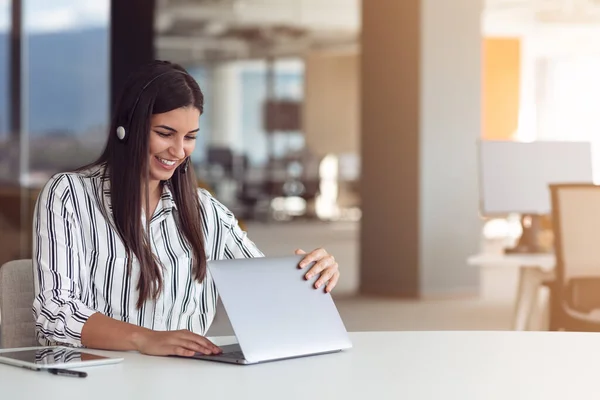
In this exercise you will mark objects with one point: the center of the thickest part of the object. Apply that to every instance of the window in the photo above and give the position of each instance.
(567, 102)
(5, 12)
(65, 83)
(200, 74)
(288, 85)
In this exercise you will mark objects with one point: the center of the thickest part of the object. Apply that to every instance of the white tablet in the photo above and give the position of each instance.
(50, 357)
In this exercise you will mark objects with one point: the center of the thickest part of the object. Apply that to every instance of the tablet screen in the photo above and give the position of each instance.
(50, 355)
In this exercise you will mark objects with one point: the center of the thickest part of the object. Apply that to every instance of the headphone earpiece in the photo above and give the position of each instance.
(186, 164)
(121, 133)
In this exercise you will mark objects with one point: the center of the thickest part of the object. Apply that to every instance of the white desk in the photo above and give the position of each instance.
(533, 271)
(383, 365)
(544, 261)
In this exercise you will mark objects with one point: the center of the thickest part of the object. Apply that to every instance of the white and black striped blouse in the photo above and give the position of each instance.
(80, 263)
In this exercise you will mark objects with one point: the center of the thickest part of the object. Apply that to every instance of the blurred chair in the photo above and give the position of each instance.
(221, 156)
(204, 185)
(16, 222)
(17, 326)
(575, 291)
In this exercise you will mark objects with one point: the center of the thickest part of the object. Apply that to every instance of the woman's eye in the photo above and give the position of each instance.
(191, 137)
(161, 134)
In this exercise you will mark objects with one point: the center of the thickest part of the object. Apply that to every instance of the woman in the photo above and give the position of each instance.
(121, 246)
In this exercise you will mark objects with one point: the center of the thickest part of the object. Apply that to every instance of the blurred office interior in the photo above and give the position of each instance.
(344, 124)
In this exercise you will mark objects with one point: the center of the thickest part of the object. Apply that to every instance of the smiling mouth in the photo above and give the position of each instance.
(169, 163)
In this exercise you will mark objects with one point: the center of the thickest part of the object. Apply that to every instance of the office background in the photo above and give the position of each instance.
(342, 124)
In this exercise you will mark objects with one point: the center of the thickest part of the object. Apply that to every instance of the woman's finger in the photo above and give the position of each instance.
(200, 340)
(320, 266)
(299, 252)
(190, 345)
(325, 276)
(332, 282)
(314, 255)
(181, 351)
(181, 341)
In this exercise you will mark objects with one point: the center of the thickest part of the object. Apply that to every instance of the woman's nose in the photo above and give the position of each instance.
(178, 150)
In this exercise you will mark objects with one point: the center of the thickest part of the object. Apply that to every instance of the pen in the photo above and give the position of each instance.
(67, 372)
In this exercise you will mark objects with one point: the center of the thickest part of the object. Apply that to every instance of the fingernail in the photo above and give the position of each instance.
(308, 276)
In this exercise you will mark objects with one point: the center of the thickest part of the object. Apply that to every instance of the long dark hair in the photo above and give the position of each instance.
(156, 88)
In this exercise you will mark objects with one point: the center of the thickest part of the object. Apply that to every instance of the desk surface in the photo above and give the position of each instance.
(544, 261)
(390, 365)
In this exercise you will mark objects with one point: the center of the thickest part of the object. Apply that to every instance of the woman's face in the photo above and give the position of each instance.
(172, 140)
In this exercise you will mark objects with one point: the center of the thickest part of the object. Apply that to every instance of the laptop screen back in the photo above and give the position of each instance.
(274, 311)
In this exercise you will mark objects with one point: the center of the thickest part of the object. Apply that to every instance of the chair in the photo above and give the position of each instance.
(17, 326)
(17, 209)
(575, 290)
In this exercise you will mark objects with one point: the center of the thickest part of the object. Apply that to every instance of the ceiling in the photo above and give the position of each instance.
(548, 27)
(201, 31)
(546, 11)
(218, 30)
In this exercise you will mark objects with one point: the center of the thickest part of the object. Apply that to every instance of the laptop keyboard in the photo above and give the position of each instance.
(232, 354)
(229, 354)
(229, 351)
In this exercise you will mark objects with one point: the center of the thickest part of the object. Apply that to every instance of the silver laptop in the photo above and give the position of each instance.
(275, 312)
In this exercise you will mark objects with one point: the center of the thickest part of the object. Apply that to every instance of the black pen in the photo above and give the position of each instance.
(67, 372)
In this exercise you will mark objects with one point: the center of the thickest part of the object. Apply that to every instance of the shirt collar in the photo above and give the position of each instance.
(165, 206)
(167, 199)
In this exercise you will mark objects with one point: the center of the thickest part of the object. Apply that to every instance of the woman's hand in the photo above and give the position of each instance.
(325, 265)
(178, 343)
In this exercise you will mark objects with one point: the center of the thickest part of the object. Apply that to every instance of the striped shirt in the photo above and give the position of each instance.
(80, 262)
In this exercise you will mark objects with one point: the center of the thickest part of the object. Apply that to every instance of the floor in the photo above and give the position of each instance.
(369, 314)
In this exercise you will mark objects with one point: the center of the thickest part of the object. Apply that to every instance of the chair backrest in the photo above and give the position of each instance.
(17, 326)
(576, 225)
(576, 221)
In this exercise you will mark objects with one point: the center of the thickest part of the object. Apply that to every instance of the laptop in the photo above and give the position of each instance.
(274, 311)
